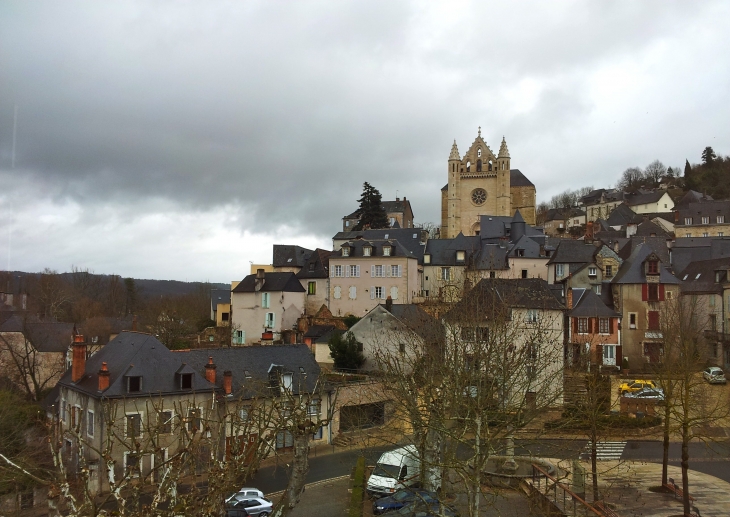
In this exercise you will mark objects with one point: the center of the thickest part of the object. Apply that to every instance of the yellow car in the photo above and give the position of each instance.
(635, 385)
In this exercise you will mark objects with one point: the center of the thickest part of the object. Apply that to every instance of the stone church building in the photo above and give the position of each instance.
(481, 183)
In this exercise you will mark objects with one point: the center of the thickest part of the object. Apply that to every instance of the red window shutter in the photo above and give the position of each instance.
(619, 358)
(644, 292)
(661, 292)
(653, 320)
(611, 325)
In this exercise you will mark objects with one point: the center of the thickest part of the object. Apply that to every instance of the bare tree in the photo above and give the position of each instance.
(631, 179)
(654, 172)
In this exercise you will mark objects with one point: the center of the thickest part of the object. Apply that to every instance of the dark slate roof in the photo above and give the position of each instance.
(220, 296)
(587, 304)
(135, 354)
(401, 205)
(288, 255)
(316, 265)
(647, 228)
(481, 255)
(273, 282)
(418, 320)
(571, 251)
(658, 244)
(413, 239)
(318, 330)
(691, 249)
(497, 226)
(621, 215)
(258, 362)
(632, 270)
(642, 198)
(517, 179)
(699, 276)
(44, 336)
(356, 248)
(707, 208)
(561, 214)
(529, 293)
(692, 196)
(602, 225)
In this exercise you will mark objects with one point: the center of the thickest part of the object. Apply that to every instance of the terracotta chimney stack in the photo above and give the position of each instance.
(103, 377)
(569, 298)
(210, 370)
(78, 362)
(228, 382)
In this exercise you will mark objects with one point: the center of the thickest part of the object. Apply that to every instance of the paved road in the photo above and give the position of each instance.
(711, 459)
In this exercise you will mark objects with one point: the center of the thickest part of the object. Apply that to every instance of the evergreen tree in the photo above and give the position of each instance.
(708, 156)
(345, 351)
(687, 169)
(371, 212)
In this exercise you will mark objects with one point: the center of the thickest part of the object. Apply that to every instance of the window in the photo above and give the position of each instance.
(532, 315)
(186, 381)
(240, 337)
(337, 271)
(395, 271)
(265, 300)
(632, 320)
(492, 274)
(460, 255)
(705, 220)
(224, 316)
(446, 273)
(653, 293)
(713, 322)
(367, 251)
(520, 252)
(352, 292)
(402, 348)
(386, 251)
(243, 414)
(427, 258)
(582, 325)
(194, 419)
(720, 219)
(378, 271)
(687, 235)
(705, 234)
(337, 292)
(286, 382)
(211, 338)
(379, 294)
(482, 334)
(524, 273)
(90, 423)
(269, 322)
(603, 326)
(687, 221)
(592, 271)
(597, 289)
(468, 334)
(394, 293)
(347, 223)
(133, 425)
(312, 288)
(652, 267)
(609, 271)
(559, 270)
(313, 407)
(345, 251)
(131, 463)
(720, 234)
(134, 384)
(164, 422)
(653, 320)
(355, 271)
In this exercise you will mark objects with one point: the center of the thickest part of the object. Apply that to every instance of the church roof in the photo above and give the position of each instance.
(517, 179)
(454, 152)
(503, 151)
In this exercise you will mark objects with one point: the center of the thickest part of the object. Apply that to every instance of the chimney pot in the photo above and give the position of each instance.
(78, 360)
(228, 382)
(260, 273)
(103, 377)
(210, 370)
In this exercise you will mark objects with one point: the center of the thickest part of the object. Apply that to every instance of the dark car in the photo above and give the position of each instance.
(402, 498)
(421, 509)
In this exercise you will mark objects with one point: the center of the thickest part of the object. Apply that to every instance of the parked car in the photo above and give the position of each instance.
(395, 470)
(635, 385)
(714, 375)
(656, 394)
(254, 506)
(421, 509)
(402, 498)
(245, 493)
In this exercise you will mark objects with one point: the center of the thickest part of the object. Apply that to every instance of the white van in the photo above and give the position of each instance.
(395, 470)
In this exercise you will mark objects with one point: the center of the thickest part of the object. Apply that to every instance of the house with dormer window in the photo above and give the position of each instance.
(639, 290)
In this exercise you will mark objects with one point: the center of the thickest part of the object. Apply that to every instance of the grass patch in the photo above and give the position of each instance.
(358, 488)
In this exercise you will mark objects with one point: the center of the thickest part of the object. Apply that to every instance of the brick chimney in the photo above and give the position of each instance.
(210, 370)
(78, 362)
(103, 377)
(228, 382)
(569, 298)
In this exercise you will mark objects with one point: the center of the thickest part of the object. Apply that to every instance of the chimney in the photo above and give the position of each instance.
(78, 363)
(589, 231)
(210, 370)
(259, 281)
(260, 273)
(103, 377)
(389, 304)
(227, 382)
(134, 323)
(569, 298)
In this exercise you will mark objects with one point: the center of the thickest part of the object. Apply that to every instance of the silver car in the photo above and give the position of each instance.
(714, 375)
(656, 394)
(254, 506)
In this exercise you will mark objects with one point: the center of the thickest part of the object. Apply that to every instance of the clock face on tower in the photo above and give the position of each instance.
(478, 196)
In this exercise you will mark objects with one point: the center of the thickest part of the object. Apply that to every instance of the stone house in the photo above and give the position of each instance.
(703, 219)
(314, 277)
(594, 330)
(399, 213)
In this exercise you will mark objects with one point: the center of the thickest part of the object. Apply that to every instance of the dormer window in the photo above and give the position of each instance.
(345, 251)
(652, 267)
(592, 271)
(367, 251)
(386, 251)
(186, 381)
(134, 384)
(427, 258)
(460, 256)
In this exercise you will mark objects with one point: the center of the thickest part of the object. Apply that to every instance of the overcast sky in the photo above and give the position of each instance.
(180, 140)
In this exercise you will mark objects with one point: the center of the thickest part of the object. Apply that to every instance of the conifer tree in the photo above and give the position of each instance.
(371, 212)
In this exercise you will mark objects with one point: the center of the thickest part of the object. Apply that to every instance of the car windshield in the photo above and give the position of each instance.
(385, 470)
(402, 495)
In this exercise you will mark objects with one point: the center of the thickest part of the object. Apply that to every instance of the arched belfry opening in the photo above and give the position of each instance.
(479, 165)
